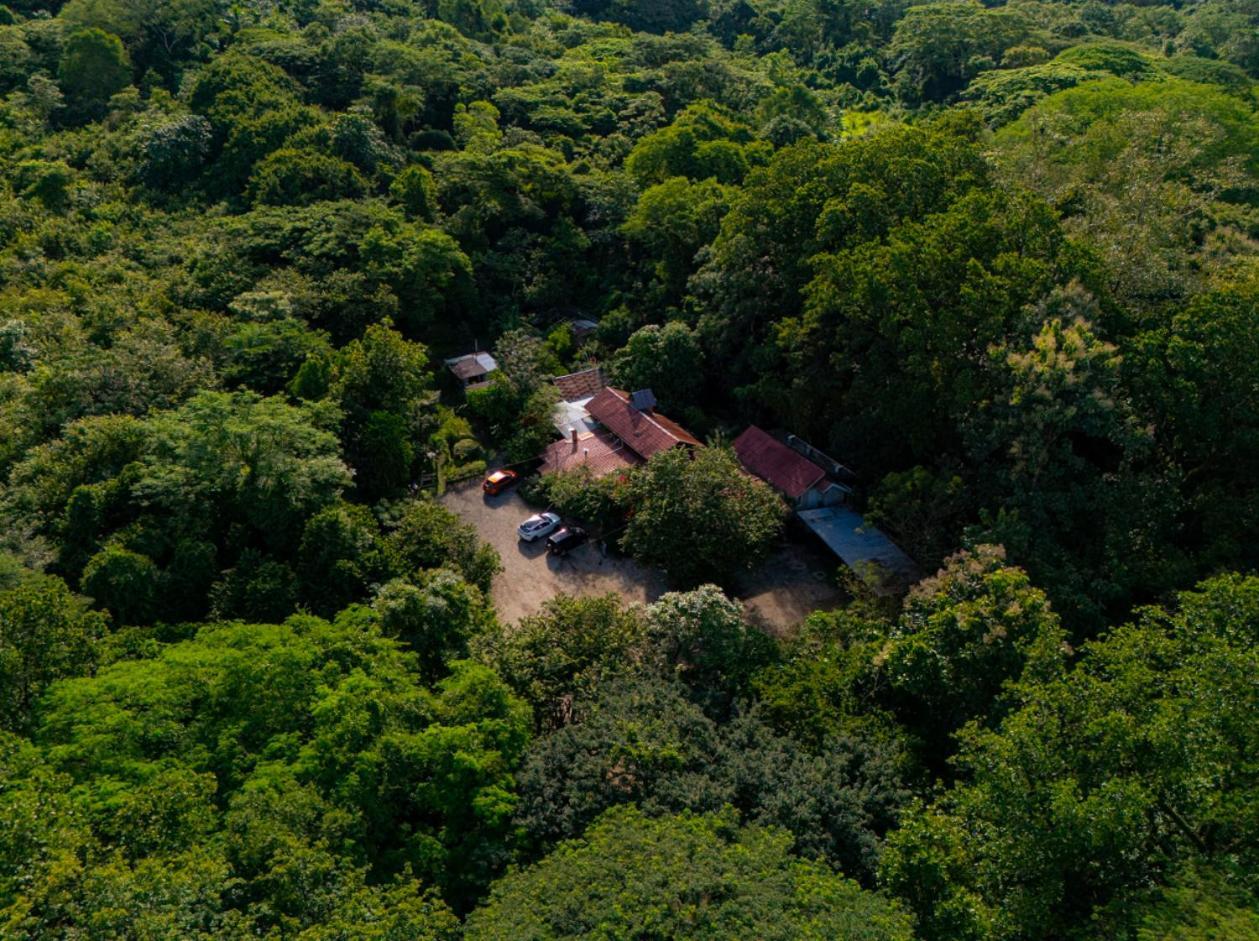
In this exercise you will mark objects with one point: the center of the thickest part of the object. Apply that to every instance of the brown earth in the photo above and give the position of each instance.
(778, 595)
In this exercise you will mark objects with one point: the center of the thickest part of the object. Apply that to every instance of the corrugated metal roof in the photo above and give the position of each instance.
(775, 463)
(646, 433)
(472, 365)
(858, 544)
(570, 415)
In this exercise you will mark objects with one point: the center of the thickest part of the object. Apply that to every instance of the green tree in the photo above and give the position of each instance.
(123, 582)
(964, 637)
(341, 555)
(256, 588)
(50, 182)
(429, 536)
(923, 511)
(437, 616)
(1192, 375)
(1110, 777)
(573, 647)
(828, 684)
(241, 459)
(703, 639)
(383, 456)
(812, 198)
(416, 192)
(311, 732)
(670, 223)
(668, 360)
(1147, 168)
(94, 65)
(682, 877)
(703, 142)
(638, 741)
(700, 517)
(939, 47)
(525, 360)
(292, 177)
(46, 633)
(382, 371)
(173, 152)
(641, 740)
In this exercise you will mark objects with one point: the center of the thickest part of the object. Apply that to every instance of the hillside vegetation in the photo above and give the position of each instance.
(1000, 260)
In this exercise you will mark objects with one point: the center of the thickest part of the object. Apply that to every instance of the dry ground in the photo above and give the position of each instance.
(786, 587)
(530, 577)
(791, 583)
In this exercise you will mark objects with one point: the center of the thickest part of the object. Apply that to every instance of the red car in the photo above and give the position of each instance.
(499, 481)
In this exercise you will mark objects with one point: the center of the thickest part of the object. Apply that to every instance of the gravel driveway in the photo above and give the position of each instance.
(778, 595)
(530, 577)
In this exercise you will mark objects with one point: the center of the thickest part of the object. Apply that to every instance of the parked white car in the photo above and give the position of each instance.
(539, 526)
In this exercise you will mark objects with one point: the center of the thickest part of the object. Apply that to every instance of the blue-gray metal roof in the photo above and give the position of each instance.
(857, 543)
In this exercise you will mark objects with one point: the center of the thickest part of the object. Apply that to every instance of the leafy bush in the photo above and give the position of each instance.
(599, 502)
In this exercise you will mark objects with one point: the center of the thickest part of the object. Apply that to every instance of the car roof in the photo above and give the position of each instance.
(501, 474)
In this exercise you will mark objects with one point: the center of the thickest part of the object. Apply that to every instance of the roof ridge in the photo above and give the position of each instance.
(650, 416)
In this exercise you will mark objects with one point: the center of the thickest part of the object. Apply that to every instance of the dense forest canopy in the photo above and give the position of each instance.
(1000, 259)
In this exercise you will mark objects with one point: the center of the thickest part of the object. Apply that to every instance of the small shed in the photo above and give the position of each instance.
(582, 328)
(472, 369)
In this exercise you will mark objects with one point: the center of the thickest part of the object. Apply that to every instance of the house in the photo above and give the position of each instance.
(611, 430)
(634, 420)
(819, 503)
(473, 369)
(797, 478)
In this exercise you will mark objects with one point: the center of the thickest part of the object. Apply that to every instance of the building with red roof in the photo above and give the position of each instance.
(580, 386)
(787, 471)
(596, 451)
(643, 430)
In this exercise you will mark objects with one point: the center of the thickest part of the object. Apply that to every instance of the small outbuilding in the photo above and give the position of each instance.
(473, 369)
(582, 328)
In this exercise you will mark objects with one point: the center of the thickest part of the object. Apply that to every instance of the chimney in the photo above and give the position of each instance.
(572, 433)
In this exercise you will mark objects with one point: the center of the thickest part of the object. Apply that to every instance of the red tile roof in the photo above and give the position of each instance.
(646, 433)
(595, 450)
(775, 463)
(580, 385)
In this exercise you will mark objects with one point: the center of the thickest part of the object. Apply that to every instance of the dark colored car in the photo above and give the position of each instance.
(564, 541)
(499, 481)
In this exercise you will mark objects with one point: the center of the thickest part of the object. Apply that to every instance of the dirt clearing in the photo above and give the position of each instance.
(778, 595)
